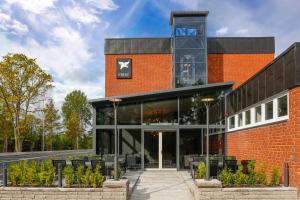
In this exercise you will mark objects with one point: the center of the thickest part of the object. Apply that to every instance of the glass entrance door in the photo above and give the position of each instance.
(160, 149)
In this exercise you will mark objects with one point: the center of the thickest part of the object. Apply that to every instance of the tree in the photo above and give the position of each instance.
(22, 82)
(51, 123)
(76, 105)
(6, 127)
(73, 129)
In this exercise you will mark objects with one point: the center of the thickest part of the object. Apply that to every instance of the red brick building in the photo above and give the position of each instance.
(162, 82)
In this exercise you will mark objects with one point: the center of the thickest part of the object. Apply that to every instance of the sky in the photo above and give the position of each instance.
(67, 36)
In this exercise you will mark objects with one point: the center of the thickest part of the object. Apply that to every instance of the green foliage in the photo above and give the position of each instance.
(69, 175)
(88, 177)
(79, 174)
(31, 174)
(240, 178)
(227, 177)
(119, 172)
(22, 82)
(201, 171)
(275, 177)
(261, 174)
(97, 178)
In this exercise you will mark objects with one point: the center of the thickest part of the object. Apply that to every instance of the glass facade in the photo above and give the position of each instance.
(180, 119)
(190, 50)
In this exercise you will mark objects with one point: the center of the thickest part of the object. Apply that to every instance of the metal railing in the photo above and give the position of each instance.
(6, 158)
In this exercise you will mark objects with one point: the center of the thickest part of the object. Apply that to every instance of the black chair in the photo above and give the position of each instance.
(231, 165)
(132, 162)
(245, 163)
(62, 163)
(77, 163)
(213, 168)
(101, 163)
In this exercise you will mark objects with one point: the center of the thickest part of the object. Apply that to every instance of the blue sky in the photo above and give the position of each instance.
(67, 36)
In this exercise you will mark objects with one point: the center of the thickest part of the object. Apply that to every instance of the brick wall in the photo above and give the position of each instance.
(153, 72)
(150, 72)
(235, 67)
(274, 144)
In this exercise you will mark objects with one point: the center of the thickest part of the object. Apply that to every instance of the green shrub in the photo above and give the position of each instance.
(87, 178)
(261, 175)
(227, 177)
(239, 177)
(79, 173)
(14, 174)
(32, 173)
(98, 179)
(119, 172)
(275, 176)
(69, 175)
(201, 171)
(46, 174)
(252, 177)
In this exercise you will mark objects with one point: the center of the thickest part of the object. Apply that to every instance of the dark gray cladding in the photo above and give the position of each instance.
(241, 45)
(214, 45)
(281, 74)
(138, 46)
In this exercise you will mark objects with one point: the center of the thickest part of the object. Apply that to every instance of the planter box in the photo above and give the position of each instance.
(111, 190)
(203, 191)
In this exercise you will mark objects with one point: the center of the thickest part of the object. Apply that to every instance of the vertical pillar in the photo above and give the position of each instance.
(177, 149)
(160, 149)
(143, 150)
(94, 131)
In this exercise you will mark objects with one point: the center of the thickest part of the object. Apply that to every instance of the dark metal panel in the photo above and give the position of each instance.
(290, 69)
(297, 63)
(238, 45)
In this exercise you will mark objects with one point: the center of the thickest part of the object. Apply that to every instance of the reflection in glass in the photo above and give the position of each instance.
(240, 119)
(169, 149)
(161, 112)
(129, 114)
(192, 111)
(232, 122)
(258, 114)
(105, 115)
(269, 110)
(151, 149)
(247, 117)
(282, 106)
(105, 143)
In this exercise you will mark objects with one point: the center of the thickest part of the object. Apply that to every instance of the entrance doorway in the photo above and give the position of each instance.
(160, 149)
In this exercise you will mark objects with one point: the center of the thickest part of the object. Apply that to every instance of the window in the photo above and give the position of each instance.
(282, 106)
(269, 110)
(240, 117)
(258, 114)
(231, 122)
(247, 117)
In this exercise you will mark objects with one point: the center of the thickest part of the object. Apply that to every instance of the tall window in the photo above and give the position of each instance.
(240, 119)
(269, 110)
(190, 52)
(247, 117)
(232, 122)
(257, 114)
(282, 106)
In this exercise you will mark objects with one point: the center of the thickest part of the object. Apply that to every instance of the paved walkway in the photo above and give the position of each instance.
(161, 185)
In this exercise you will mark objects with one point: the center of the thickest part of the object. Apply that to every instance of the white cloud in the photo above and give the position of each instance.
(222, 31)
(103, 4)
(82, 15)
(34, 6)
(7, 24)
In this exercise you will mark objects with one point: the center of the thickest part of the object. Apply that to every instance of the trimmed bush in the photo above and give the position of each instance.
(201, 171)
(97, 177)
(227, 177)
(87, 179)
(69, 175)
(79, 173)
(275, 176)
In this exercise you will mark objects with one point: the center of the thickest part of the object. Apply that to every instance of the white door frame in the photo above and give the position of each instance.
(160, 156)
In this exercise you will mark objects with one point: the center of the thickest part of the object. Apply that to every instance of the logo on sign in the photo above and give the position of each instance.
(124, 68)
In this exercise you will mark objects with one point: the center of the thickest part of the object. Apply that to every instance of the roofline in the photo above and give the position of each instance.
(268, 65)
(187, 13)
(157, 93)
(230, 37)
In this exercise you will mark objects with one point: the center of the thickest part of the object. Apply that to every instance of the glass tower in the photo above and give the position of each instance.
(189, 44)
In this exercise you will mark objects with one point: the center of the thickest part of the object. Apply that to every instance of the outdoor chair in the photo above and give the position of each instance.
(62, 163)
(231, 165)
(132, 162)
(77, 163)
(244, 164)
(213, 168)
(101, 163)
